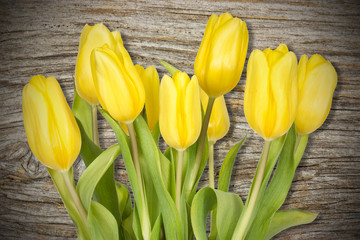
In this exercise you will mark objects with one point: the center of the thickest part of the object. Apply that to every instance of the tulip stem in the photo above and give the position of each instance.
(211, 165)
(134, 153)
(240, 232)
(145, 221)
(201, 143)
(74, 196)
(95, 130)
(178, 178)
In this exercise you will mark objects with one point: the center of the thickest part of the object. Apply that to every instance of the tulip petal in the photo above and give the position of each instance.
(284, 95)
(51, 129)
(91, 37)
(256, 99)
(118, 86)
(219, 120)
(192, 110)
(315, 97)
(167, 117)
(150, 80)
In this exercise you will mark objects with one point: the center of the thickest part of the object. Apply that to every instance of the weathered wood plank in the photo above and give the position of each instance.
(41, 37)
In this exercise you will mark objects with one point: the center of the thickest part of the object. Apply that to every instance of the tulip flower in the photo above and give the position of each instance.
(117, 83)
(91, 38)
(220, 59)
(52, 132)
(219, 119)
(180, 117)
(180, 111)
(150, 80)
(317, 80)
(271, 91)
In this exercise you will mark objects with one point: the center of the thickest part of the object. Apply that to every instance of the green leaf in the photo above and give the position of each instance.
(83, 112)
(299, 151)
(128, 228)
(102, 224)
(93, 174)
(227, 166)
(105, 192)
(228, 207)
(130, 168)
(277, 189)
(274, 152)
(171, 69)
(69, 204)
(124, 200)
(152, 200)
(286, 219)
(156, 133)
(155, 233)
(173, 227)
(190, 188)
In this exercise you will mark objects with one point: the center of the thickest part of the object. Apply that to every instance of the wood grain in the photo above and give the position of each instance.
(41, 37)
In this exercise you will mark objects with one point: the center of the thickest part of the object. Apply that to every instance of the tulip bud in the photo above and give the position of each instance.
(219, 119)
(52, 132)
(271, 91)
(220, 59)
(150, 80)
(117, 83)
(317, 80)
(91, 38)
(180, 111)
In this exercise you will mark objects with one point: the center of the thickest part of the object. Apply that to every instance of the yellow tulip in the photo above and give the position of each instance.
(117, 83)
(220, 59)
(150, 80)
(271, 91)
(180, 110)
(219, 119)
(52, 132)
(91, 37)
(317, 80)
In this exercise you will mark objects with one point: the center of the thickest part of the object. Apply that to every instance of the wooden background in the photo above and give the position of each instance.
(41, 37)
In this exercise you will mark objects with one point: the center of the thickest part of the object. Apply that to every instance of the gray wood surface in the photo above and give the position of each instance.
(41, 37)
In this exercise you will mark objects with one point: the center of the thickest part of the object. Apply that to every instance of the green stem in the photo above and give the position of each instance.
(201, 143)
(135, 156)
(74, 196)
(178, 178)
(241, 231)
(95, 131)
(211, 165)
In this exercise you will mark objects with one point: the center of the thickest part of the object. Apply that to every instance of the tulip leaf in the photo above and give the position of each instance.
(286, 219)
(156, 132)
(69, 204)
(277, 190)
(83, 112)
(105, 192)
(91, 176)
(299, 151)
(101, 223)
(151, 153)
(228, 207)
(130, 168)
(124, 199)
(227, 166)
(155, 233)
(127, 226)
(171, 69)
(150, 192)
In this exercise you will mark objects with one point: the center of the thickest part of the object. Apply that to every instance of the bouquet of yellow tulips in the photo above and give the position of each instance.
(284, 102)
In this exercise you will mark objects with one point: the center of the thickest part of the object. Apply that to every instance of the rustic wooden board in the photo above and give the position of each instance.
(41, 37)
